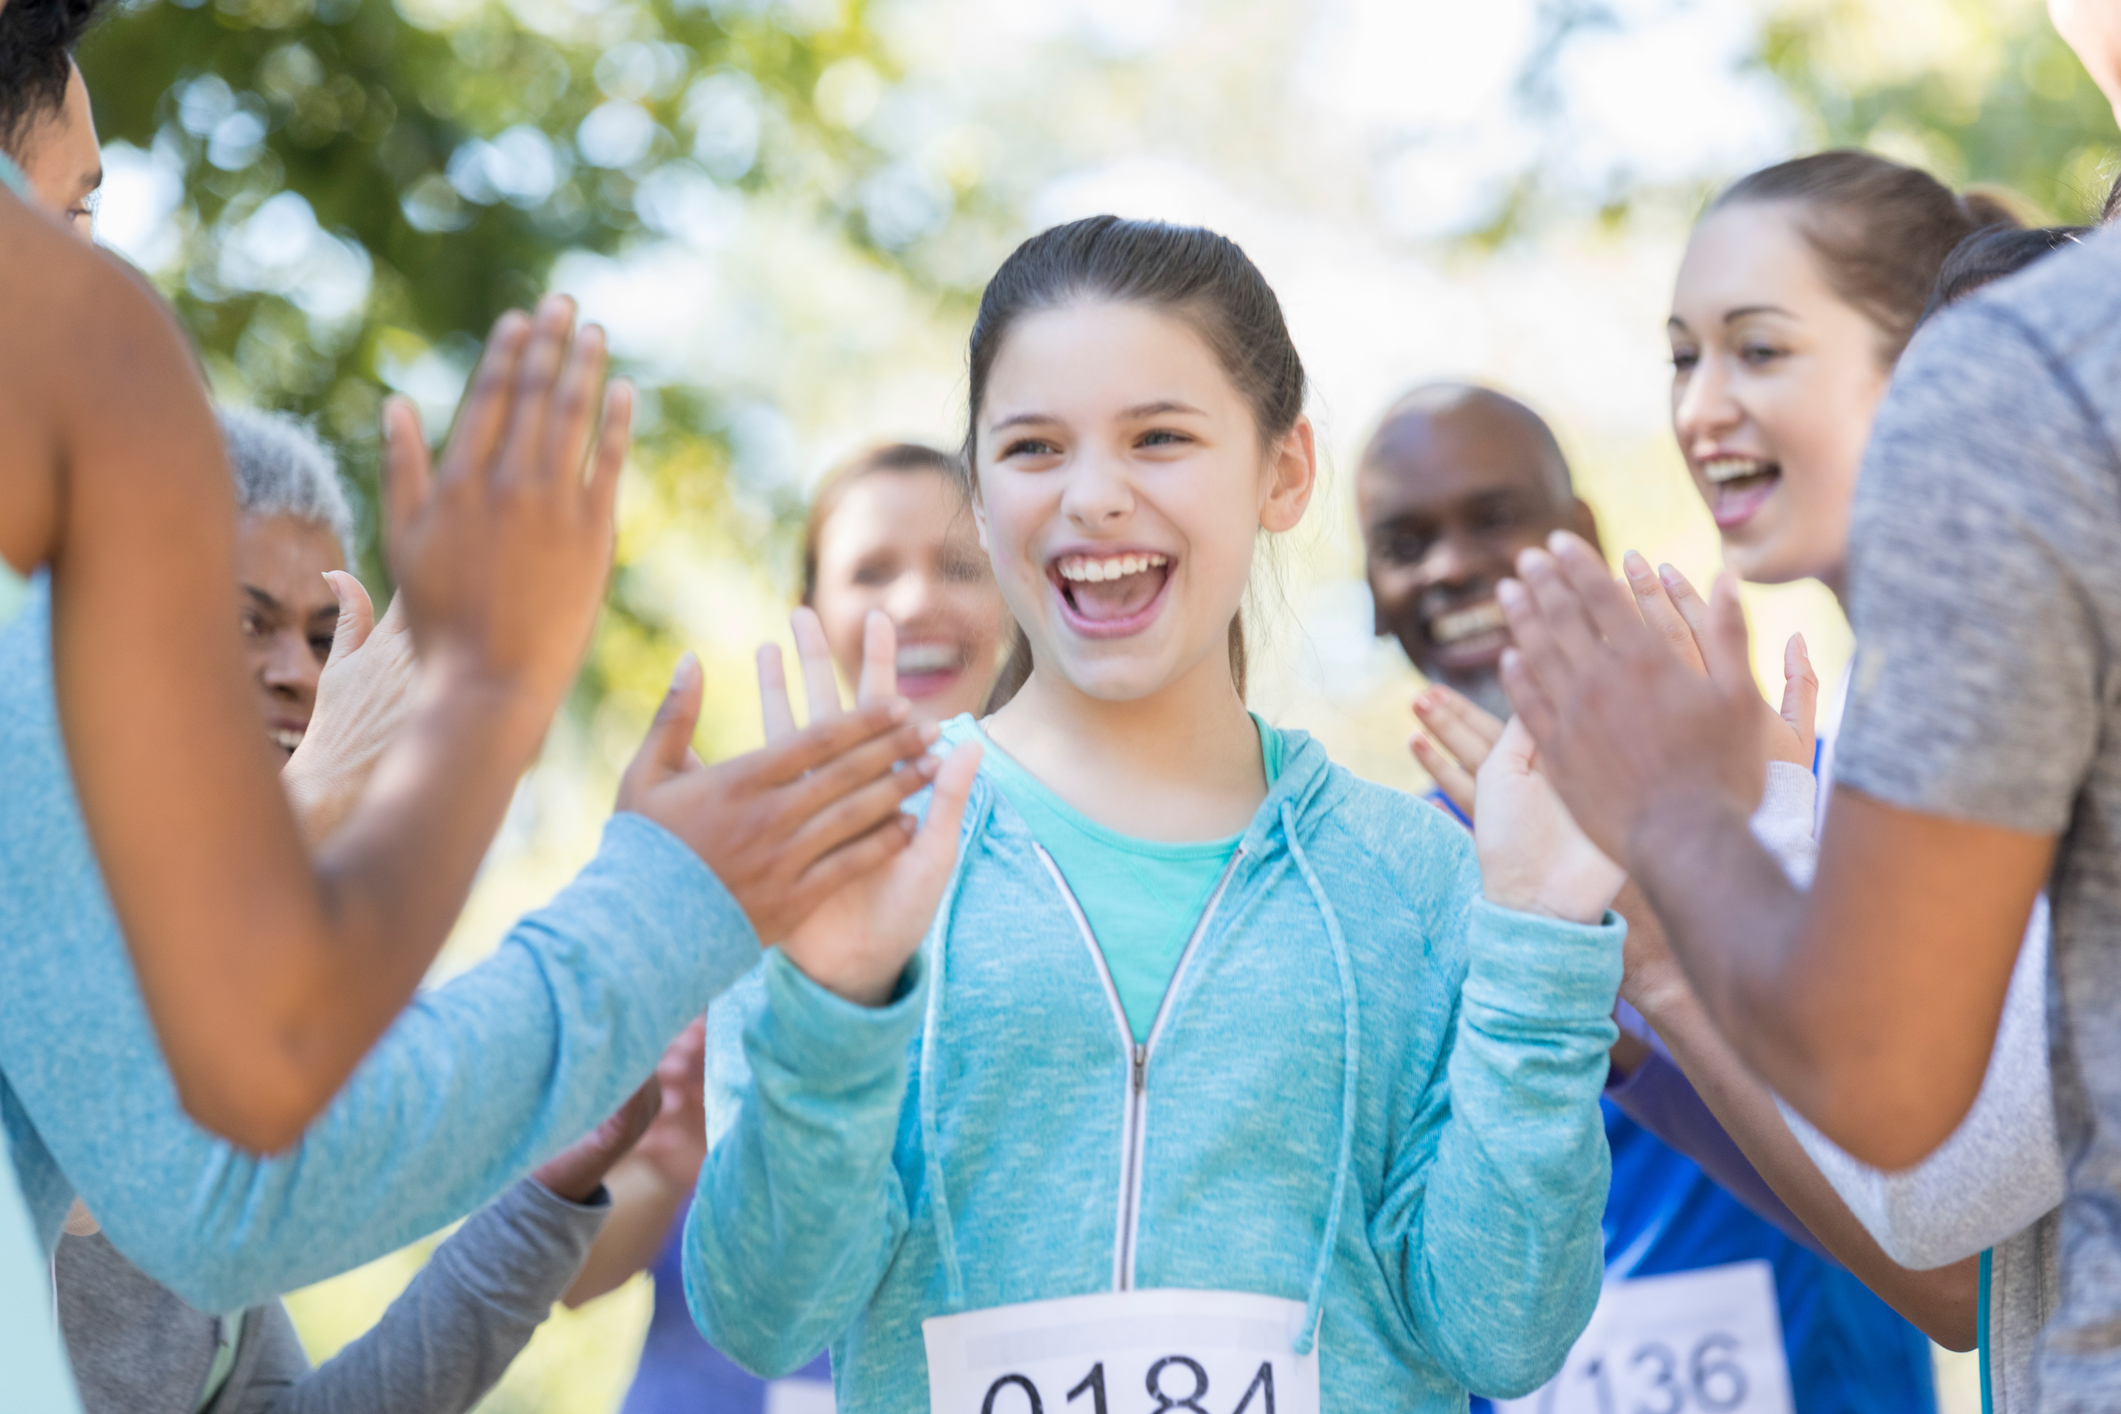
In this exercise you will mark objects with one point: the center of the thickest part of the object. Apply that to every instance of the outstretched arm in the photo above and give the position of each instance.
(268, 975)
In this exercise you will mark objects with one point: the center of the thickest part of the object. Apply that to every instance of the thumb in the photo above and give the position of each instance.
(1800, 692)
(669, 739)
(357, 614)
(1512, 755)
(1726, 646)
(937, 840)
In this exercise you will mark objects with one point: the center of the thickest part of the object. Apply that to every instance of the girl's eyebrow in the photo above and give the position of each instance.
(1159, 409)
(1021, 419)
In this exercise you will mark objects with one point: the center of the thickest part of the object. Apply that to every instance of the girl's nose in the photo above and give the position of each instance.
(1098, 491)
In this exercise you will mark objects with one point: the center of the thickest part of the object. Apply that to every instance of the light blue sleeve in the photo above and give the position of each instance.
(1490, 1223)
(478, 1080)
(800, 1210)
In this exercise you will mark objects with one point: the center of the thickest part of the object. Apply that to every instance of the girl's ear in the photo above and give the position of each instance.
(1292, 476)
(979, 520)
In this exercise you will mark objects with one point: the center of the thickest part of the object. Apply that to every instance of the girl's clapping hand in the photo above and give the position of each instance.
(858, 941)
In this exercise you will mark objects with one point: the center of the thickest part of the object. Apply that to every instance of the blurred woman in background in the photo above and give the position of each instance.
(889, 530)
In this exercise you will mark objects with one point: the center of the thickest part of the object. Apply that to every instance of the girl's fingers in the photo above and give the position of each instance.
(879, 681)
(1467, 731)
(1451, 778)
(1658, 611)
(774, 708)
(1800, 693)
(821, 684)
(937, 841)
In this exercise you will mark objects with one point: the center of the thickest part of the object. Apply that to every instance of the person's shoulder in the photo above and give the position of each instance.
(1408, 844)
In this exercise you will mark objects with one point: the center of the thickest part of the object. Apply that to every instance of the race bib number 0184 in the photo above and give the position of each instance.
(1706, 1342)
(1124, 1352)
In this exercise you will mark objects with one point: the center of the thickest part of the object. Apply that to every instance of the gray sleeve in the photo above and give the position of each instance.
(1985, 497)
(447, 1340)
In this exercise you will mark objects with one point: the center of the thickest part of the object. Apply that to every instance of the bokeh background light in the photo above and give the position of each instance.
(783, 211)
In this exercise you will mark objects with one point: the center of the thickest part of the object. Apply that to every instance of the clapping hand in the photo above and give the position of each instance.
(785, 826)
(1629, 731)
(858, 941)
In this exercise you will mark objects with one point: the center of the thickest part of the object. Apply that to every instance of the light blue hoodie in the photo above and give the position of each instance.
(1367, 1089)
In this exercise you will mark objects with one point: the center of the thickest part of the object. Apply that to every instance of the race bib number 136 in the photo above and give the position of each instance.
(1705, 1342)
(1126, 1352)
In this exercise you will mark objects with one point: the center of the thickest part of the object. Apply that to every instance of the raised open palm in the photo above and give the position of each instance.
(858, 940)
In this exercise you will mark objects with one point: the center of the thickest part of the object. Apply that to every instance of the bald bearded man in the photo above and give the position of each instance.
(1456, 481)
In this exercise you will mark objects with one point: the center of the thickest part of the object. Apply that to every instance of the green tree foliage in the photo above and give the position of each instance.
(367, 185)
(1977, 91)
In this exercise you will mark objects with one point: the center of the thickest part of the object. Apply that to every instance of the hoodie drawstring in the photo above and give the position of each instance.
(1351, 1056)
(931, 1059)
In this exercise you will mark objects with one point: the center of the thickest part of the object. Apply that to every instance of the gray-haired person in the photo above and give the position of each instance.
(136, 1346)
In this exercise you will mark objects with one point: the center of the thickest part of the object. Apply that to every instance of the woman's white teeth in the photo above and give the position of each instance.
(916, 659)
(1722, 469)
(286, 739)
(1082, 569)
(1466, 623)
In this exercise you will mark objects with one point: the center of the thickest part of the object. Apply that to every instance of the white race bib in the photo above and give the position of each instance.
(1204, 1352)
(1706, 1342)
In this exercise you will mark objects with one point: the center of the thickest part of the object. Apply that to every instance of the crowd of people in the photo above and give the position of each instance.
(1043, 1028)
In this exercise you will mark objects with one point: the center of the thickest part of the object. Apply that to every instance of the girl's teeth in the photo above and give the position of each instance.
(286, 740)
(1084, 570)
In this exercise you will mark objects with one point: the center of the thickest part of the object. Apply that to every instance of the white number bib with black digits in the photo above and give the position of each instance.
(1706, 1342)
(1124, 1352)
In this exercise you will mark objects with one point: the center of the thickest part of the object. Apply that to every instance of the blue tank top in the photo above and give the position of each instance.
(680, 1372)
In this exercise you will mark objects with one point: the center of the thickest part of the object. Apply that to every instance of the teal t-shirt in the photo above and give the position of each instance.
(1141, 897)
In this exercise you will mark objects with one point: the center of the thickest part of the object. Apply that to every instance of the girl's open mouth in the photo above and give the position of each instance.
(926, 668)
(1738, 487)
(1110, 596)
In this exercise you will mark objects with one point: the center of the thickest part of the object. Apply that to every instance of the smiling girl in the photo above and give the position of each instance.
(1220, 1075)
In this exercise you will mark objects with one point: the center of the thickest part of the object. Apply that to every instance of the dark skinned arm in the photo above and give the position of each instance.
(269, 974)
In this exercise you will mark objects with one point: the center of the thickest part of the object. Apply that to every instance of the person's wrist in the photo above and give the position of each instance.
(857, 980)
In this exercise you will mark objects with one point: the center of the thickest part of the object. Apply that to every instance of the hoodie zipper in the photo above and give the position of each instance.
(1135, 1106)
